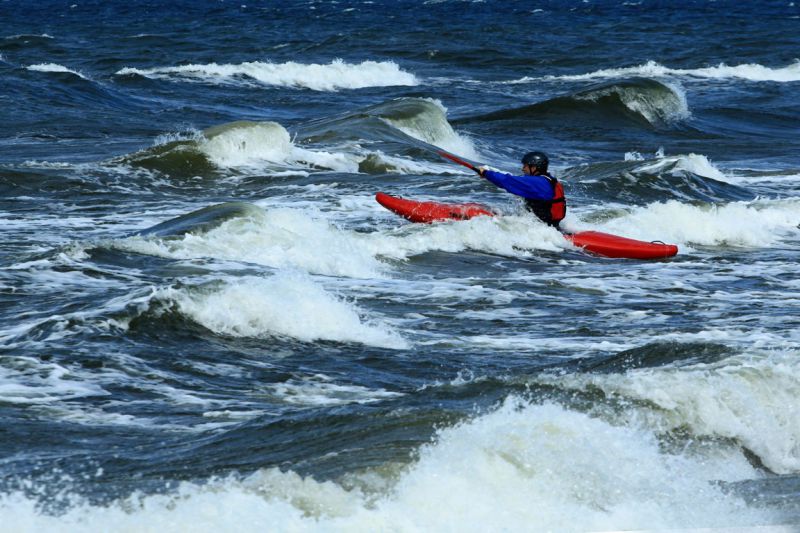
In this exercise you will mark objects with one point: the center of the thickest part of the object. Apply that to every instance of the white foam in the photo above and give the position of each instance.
(321, 390)
(250, 144)
(748, 71)
(694, 163)
(288, 304)
(254, 144)
(25, 380)
(756, 224)
(519, 467)
(747, 398)
(279, 237)
(516, 236)
(304, 239)
(328, 77)
(53, 67)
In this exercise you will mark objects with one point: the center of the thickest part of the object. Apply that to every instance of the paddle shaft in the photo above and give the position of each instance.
(455, 159)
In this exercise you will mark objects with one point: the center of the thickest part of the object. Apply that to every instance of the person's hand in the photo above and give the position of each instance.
(481, 170)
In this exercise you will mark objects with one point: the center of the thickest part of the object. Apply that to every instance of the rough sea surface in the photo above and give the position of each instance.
(208, 324)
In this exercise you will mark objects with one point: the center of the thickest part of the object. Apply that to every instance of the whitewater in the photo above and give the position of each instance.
(208, 323)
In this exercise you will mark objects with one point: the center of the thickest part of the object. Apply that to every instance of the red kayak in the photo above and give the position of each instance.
(599, 243)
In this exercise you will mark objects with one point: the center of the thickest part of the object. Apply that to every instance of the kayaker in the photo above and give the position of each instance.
(543, 194)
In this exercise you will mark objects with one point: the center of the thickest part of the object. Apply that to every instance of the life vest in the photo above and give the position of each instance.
(550, 211)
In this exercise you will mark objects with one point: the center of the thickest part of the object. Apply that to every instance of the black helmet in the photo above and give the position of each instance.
(537, 160)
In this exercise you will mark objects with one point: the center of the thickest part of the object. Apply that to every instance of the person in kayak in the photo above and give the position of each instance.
(543, 194)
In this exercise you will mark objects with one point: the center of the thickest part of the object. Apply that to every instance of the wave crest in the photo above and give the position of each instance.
(53, 67)
(746, 71)
(635, 101)
(742, 398)
(581, 472)
(287, 304)
(689, 177)
(240, 145)
(330, 77)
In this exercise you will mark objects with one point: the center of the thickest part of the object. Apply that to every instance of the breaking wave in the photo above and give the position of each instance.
(558, 469)
(755, 224)
(400, 136)
(747, 71)
(240, 145)
(52, 67)
(744, 398)
(688, 178)
(636, 100)
(287, 304)
(333, 76)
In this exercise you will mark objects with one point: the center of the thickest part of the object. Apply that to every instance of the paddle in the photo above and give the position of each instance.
(458, 160)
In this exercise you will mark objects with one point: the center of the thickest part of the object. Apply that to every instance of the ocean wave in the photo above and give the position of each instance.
(22, 41)
(243, 146)
(754, 224)
(29, 381)
(747, 71)
(319, 77)
(685, 177)
(27, 36)
(580, 472)
(202, 220)
(287, 304)
(330, 143)
(743, 397)
(634, 101)
(426, 120)
(277, 237)
(512, 235)
(652, 102)
(405, 126)
(53, 67)
(377, 162)
(305, 239)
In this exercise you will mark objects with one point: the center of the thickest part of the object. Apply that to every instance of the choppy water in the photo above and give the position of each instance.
(207, 323)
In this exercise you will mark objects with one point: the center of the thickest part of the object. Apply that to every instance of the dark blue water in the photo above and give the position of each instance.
(208, 323)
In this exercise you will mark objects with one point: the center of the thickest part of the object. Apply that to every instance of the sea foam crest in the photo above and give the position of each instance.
(302, 239)
(243, 144)
(508, 235)
(749, 71)
(743, 398)
(755, 224)
(251, 144)
(694, 163)
(289, 304)
(556, 469)
(278, 238)
(53, 67)
(320, 77)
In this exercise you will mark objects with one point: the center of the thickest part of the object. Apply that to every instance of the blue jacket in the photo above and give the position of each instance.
(533, 187)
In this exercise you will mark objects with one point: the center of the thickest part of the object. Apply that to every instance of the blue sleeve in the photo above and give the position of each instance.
(534, 187)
